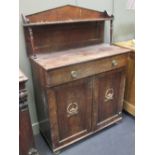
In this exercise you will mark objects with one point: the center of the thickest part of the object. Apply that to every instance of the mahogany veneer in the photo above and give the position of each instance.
(78, 80)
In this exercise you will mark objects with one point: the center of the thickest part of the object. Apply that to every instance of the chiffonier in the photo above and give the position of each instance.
(78, 79)
(26, 140)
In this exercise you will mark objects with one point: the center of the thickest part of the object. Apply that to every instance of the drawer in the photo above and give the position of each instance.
(82, 70)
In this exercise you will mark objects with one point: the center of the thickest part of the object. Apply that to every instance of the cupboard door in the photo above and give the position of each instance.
(70, 108)
(108, 97)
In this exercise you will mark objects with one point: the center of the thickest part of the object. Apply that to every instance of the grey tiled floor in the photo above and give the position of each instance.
(119, 139)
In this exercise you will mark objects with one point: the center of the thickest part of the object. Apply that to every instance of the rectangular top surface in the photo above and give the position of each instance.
(54, 60)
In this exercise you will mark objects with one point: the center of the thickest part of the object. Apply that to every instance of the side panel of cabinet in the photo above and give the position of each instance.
(108, 98)
(70, 109)
(129, 97)
(41, 101)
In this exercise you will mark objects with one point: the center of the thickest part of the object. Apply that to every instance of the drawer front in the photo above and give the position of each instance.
(78, 71)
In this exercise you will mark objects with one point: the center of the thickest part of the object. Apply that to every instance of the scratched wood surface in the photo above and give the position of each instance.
(73, 71)
(66, 13)
(83, 70)
(59, 59)
(63, 28)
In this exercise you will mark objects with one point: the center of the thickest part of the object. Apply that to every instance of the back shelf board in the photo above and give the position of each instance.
(64, 28)
(65, 14)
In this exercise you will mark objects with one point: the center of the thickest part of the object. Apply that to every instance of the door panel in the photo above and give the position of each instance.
(73, 102)
(108, 96)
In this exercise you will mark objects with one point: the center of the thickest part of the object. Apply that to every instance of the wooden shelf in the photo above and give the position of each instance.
(67, 22)
(65, 15)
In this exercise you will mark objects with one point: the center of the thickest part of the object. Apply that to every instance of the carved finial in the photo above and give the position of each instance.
(106, 15)
(110, 18)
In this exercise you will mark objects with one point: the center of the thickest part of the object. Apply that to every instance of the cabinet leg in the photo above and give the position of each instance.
(57, 152)
(33, 151)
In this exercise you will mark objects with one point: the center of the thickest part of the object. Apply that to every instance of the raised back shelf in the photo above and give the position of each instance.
(64, 28)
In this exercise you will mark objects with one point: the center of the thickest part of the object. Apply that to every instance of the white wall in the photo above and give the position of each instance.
(124, 22)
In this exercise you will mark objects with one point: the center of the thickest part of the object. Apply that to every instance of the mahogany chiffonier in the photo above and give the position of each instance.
(78, 80)
(129, 97)
(26, 141)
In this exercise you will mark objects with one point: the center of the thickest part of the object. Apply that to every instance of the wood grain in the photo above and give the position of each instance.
(64, 74)
(84, 26)
(55, 60)
(66, 13)
(107, 109)
(68, 128)
(26, 140)
(129, 98)
(72, 71)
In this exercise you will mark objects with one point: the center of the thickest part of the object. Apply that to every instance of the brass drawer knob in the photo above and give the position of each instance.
(74, 74)
(114, 63)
